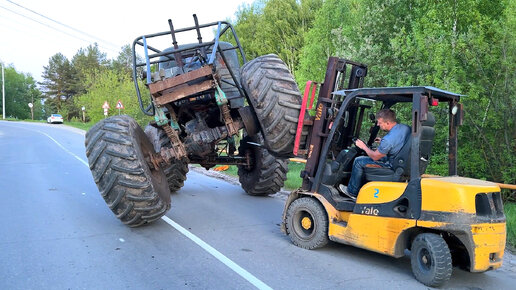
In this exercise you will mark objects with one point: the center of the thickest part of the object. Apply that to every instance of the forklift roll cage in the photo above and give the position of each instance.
(420, 97)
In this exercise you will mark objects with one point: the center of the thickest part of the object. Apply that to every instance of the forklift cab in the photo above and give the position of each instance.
(338, 152)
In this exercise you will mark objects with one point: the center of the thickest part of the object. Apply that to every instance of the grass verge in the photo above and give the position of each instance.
(80, 125)
(293, 179)
(510, 215)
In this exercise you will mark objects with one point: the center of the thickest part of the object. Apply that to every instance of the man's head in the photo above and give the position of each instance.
(386, 119)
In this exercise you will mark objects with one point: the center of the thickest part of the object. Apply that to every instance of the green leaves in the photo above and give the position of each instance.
(20, 90)
(109, 86)
(276, 26)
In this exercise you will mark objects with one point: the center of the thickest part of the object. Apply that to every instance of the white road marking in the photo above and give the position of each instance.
(58, 144)
(66, 150)
(212, 251)
(225, 260)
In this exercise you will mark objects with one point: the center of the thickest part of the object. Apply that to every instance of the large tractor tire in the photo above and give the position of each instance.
(175, 171)
(118, 151)
(275, 97)
(266, 174)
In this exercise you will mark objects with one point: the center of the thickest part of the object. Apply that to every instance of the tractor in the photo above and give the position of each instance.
(210, 106)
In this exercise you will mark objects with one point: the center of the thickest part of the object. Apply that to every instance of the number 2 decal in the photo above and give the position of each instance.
(376, 191)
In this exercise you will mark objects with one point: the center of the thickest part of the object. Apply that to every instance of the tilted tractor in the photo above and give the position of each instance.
(207, 109)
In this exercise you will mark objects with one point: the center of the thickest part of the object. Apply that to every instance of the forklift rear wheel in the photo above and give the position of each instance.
(431, 259)
(307, 223)
(265, 174)
(118, 152)
(175, 171)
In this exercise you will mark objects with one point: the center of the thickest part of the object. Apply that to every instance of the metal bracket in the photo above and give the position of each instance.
(222, 102)
(220, 97)
(160, 117)
(177, 150)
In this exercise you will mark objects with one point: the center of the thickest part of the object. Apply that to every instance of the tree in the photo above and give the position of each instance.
(319, 42)
(123, 64)
(275, 26)
(88, 63)
(110, 86)
(463, 46)
(20, 90)
(283, 26)
(248, 22)
(58, 80)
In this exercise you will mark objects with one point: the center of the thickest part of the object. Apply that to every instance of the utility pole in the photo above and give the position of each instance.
(3, 92)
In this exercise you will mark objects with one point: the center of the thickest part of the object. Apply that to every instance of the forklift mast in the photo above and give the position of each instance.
(337, 72)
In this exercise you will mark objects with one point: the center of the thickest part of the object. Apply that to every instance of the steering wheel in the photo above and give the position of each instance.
(360, 151)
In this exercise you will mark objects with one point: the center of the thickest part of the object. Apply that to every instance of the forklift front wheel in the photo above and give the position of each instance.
(431, 259)
(307, 223)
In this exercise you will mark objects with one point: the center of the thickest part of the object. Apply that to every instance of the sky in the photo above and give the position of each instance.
(31, 31)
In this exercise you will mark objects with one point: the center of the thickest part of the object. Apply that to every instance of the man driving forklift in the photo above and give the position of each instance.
(444, 221)
(390, 146)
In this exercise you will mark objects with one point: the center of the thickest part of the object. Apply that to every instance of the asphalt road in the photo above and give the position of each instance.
(56, 232)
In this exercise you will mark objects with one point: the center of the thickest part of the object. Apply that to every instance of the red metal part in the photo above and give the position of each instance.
(301, 119)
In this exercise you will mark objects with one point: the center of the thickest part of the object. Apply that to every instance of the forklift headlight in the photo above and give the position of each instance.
(454, 110)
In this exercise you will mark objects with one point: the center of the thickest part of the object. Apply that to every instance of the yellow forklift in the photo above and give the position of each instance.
(443, 221)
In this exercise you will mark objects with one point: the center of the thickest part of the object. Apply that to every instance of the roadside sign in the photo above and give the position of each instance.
(105, 111)
(30, 105)
(105, 106)
(119, 105)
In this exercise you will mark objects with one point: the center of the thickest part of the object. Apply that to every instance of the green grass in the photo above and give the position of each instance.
(80, 125)
(26, 120)
(510, 215)
(9, 119)
(293, 180)
(232, 170)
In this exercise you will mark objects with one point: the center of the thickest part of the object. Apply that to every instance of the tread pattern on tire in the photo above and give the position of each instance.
(441, 256)
(176, 171)
(124, 181)
(320, 237)
(268, 174)
(275, 97)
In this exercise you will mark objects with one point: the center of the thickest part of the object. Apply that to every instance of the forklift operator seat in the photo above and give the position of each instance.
(426, 141)
(401, 166)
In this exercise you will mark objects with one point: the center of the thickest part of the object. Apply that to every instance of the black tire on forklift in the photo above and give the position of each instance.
(266, 174)
(275, 98)
(176, 171)
(430, 259)
(307, 223)
(117, 150)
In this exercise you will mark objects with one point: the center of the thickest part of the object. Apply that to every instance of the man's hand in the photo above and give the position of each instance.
(374, 154)
(360, 144)
(377, 139)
